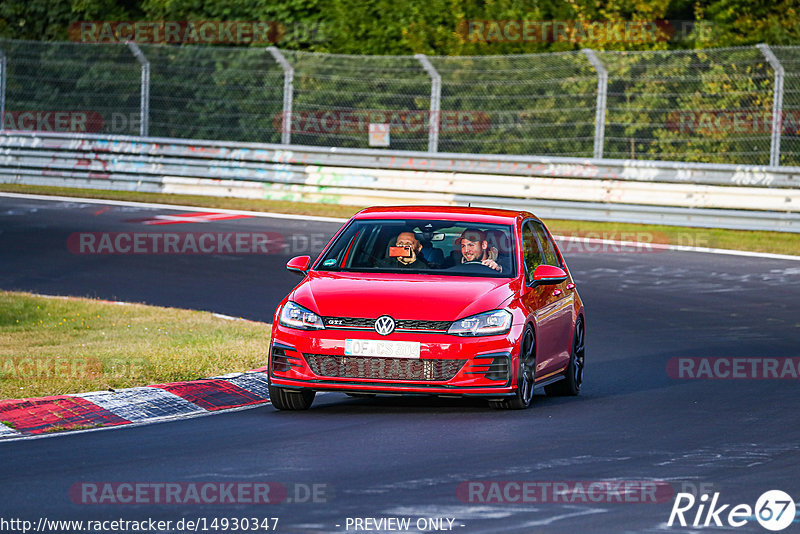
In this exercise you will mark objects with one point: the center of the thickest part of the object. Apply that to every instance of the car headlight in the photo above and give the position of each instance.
(295, 316)
(482, 324)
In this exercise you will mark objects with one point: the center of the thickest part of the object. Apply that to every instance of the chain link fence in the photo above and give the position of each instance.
(727, 105)
(69, 86)
(541, 104)
(336, 97)
(789, 58)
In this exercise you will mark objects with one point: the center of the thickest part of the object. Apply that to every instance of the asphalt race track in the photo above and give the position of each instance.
(408, 457)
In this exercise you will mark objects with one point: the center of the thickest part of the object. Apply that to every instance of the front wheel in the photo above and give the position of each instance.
(525, 376)
(573, 377)
(290, 399)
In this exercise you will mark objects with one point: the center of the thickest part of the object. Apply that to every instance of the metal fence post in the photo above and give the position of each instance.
(436, 102)
(288, 93)
(777, 105)
(144, 104)
(2, 90)
(600, 111)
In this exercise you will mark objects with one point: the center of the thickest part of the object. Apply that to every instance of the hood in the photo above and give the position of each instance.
(427, 298)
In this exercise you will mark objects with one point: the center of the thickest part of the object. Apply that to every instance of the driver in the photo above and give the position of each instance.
(475, 248)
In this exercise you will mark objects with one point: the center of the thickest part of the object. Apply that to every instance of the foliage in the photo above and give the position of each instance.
(383, 27)
(533, 103)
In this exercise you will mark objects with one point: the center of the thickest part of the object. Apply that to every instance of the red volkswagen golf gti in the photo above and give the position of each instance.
(421, 300)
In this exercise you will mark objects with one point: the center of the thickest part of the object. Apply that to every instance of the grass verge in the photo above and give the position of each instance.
(756, 241)
(52, 346)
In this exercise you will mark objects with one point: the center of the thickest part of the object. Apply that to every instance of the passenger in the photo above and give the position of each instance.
(500, 248)
(475, 248)
(410, 242)
(499, 243)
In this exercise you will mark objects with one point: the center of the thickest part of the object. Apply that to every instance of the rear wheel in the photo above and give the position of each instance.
(289, 399)
(571, 385)
(525, 376)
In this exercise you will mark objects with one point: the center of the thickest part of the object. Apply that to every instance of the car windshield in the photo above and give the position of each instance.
(439, 247)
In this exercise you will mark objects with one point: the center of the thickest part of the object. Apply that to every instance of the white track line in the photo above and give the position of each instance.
(678, 248)
(173, 207)
(644, 247)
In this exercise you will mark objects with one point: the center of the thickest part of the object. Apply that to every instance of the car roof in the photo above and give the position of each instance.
(455, 213)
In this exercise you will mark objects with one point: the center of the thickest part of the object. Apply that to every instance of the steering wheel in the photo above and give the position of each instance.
(471, 265)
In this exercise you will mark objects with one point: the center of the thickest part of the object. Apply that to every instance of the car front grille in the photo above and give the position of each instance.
(410, 324)
(359, 323)
(383, 368)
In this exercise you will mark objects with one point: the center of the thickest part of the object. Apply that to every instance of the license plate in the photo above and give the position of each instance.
(381, 349)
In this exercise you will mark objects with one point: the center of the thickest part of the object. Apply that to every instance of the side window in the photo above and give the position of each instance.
(363, 247)
(530, 250)
(548, 249)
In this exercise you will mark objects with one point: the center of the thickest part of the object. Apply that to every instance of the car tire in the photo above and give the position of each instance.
(288, 399)
(571, 385)
(525, 375)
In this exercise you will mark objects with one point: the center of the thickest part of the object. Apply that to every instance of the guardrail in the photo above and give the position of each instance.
(707, 195)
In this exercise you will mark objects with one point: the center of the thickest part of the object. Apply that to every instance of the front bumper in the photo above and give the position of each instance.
(448, 365)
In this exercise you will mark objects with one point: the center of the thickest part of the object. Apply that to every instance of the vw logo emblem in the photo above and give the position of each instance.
(384, 325)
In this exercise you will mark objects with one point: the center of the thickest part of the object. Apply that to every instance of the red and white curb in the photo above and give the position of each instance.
(146, 404)
(30, 417)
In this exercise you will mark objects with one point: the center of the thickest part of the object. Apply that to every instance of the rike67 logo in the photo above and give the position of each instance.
(774, 510)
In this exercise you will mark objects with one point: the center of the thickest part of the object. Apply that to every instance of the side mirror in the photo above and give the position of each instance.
(546, 275)
(299, 264)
